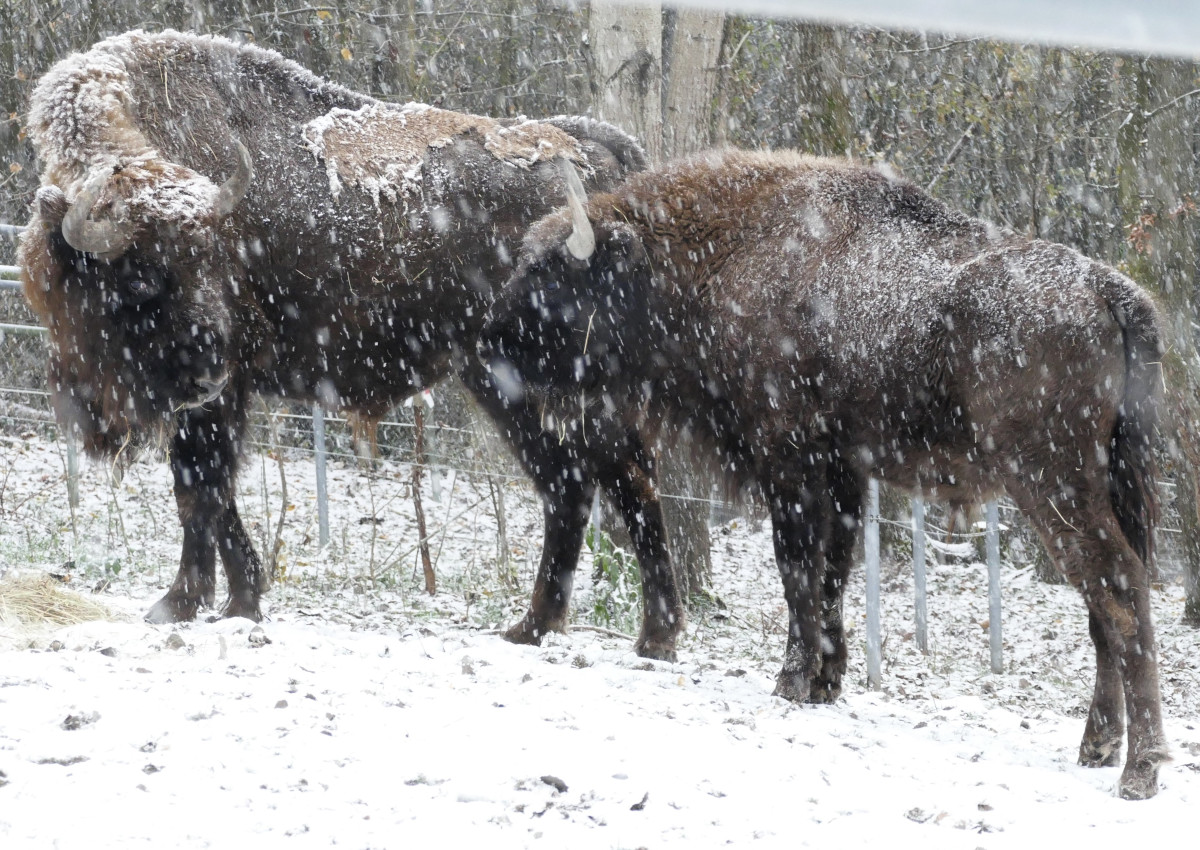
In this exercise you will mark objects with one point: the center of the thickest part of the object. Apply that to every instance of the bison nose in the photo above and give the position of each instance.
(491, 345)
(506, 379)
(483, 345)
(504, 376)
(208, 389)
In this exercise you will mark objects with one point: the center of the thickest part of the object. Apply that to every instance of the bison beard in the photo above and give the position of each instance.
(817, 322)
(347, 257)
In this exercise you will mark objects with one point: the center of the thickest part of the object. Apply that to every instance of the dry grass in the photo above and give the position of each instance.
(32, 601)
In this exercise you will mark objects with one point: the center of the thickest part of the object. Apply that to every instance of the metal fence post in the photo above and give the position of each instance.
(596, 511)
(318, 424)
(874, 641)
(919, 594)
(993, 563)
(72, 471)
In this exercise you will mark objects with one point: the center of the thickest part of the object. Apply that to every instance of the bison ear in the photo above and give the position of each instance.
(50, 205)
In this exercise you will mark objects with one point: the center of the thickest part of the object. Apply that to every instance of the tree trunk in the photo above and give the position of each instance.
(632, 90)
(626, 68)
(691, 55)
(1189, 510)
(691, 58)
(826, 126)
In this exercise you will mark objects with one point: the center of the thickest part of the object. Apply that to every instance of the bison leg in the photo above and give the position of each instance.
(1085, 539)
(846, 493)
(1102, 737)
(631, 490)
(564, 469)
(194, 586)
(1120, 601)
(566, 519)
(204, 463)
(566, 502)
(243, 568)
(799, 516)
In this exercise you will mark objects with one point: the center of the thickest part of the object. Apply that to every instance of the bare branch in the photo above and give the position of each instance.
(1171, 104)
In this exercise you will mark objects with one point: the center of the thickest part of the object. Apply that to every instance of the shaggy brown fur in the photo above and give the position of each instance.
(816, 322)
(293, 291)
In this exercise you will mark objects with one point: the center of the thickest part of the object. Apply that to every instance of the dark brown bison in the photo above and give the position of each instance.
(348, 257)
(817, 322)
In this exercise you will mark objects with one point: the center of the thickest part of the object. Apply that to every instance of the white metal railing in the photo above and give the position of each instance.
(9, 277)
(10, 282)
(871, 546)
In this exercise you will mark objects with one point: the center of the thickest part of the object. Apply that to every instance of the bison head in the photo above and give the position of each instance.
(134, 281)
(573, 308)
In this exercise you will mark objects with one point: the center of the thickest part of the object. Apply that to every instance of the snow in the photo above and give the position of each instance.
(81, 110)
(381, 149)
(892, 261)
(397, 168)
(77, 115)
(81, 124)
(374, 716)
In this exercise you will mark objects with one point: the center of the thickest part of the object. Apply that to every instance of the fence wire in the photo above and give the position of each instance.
(449, 449)
(460, 450)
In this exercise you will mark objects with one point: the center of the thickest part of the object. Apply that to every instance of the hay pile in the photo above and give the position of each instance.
(32, 601)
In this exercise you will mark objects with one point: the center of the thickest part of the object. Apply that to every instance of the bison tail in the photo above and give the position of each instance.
(1132, 468)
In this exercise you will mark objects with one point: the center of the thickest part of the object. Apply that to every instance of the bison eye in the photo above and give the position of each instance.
(552, 285)
(140, 282)
(141, 286)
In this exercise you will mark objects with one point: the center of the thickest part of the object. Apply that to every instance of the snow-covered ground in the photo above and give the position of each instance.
(365, 714)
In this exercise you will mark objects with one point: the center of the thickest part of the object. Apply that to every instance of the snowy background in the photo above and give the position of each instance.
(364, 713)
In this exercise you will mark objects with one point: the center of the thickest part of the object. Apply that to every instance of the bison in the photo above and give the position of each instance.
(347, 257)
(816, 322)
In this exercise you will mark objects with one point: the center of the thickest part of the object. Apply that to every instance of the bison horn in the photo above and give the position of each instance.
(234, 189)
(107, 239)
(582, 241)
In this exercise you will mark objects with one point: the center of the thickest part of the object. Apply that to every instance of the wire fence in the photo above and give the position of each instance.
(309, 429)
(456, 448)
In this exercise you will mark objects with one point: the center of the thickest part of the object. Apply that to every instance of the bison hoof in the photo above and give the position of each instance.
(800, 678)
(1138, 784)
(248, 609)
(659, 649)
(1139, 780)
(1100, 753)
(793, 687)
(171, 609)
(824, 693)
(525, 633)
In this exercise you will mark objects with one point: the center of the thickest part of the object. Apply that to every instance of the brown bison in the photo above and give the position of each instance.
(348, 258)
(817, 322)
